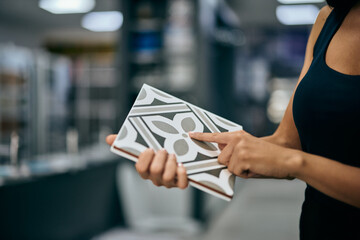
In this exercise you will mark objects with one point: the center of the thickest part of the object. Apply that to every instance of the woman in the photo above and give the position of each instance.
(317, 140)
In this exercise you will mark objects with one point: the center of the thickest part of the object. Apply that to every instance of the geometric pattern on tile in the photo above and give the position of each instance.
(159, 120)
(222, 122)
(220, 180)
(126, 140)
(145, 132)
(176, 136)
(148, 95)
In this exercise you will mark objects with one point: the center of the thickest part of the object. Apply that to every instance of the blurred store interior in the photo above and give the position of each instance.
(69, 73)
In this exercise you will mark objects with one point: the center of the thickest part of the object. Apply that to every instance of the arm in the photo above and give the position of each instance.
(250, 157)
(335, 179)
(286, 134)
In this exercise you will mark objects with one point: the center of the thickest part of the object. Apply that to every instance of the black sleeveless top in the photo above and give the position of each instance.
(326, 111)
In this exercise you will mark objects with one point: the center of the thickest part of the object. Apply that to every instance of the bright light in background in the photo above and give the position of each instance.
(67, 6)
(102, 21)
(297, 14)
(300, 1)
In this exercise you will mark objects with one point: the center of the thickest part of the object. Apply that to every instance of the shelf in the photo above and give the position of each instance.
(56, 163)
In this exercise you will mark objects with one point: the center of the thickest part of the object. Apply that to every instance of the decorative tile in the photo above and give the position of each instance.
(158, 120)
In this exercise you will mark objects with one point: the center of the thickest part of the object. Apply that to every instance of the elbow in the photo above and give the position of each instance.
(292, 142)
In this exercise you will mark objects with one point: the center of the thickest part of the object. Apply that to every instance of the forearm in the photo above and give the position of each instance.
(332, 178)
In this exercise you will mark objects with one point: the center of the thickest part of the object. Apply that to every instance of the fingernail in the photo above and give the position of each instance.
(180, 164)
(191, 133)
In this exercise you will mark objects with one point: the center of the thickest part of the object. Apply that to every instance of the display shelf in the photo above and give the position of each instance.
(55, 163)
(15, 78)
(43, 96)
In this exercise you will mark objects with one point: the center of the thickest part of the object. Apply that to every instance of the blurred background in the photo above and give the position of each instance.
(70, 71)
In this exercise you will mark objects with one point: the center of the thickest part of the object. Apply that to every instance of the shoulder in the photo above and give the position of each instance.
(324, 13)
(318, 25)
(315, 32)
(321, 18)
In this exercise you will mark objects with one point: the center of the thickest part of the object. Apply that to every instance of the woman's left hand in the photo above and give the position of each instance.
(250, 157)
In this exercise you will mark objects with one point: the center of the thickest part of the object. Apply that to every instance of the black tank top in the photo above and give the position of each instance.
(326, 111)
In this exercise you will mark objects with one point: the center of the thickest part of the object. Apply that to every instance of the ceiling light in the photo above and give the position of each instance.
(67, 6)
(102, 21)
(300, 1)
(297, 14)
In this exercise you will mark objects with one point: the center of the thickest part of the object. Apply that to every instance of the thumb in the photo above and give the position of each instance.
(110, 139)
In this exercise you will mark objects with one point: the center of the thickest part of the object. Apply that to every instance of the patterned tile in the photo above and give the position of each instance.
(158, 120)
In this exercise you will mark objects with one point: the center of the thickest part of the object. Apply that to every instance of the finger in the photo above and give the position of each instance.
(110, 139)
(225, 155)
(221, 146)
(182, 181)
(169, 174)
(211, 137)
(157, 166)
(237, 166)
(143, 163)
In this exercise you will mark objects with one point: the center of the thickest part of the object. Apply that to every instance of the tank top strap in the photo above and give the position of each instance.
(332, 24)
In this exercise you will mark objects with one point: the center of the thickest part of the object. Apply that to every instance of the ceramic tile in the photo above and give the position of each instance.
(158, 120)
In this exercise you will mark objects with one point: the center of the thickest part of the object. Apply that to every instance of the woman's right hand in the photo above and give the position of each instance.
(162, 169)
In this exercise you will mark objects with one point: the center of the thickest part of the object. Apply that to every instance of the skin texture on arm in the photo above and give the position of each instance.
(286, 134)
(333, 178)
(250, 157)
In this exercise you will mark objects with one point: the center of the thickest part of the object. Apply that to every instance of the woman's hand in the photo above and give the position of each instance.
(160, 167)
(248, 156)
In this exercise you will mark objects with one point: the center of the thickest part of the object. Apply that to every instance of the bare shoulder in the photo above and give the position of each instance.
(324, 13)
(319, 23)
(315, 32)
